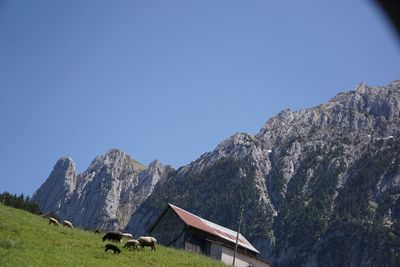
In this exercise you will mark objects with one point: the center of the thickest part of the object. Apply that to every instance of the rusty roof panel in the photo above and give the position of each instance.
(212, 228)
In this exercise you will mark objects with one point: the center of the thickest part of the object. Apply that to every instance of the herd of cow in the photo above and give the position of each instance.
(116, 236)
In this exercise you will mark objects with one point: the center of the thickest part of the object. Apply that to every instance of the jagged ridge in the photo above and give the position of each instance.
(295, 178)
(320, 186)
(102, 197)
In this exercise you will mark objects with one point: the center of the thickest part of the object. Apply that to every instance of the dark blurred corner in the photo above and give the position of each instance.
(391, 8)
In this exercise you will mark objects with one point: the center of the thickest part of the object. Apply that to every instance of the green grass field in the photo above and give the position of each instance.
(28, 240)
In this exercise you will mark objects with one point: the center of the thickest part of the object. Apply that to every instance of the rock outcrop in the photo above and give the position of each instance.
(319, 186)
(58, 188)
(102, 197)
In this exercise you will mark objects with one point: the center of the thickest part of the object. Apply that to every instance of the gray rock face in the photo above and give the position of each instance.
(319, 186)
(58, 188)
(204, 186)
(303, 182)
(102, 197)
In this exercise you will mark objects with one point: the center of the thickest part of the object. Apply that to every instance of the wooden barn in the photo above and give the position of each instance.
(178, 228)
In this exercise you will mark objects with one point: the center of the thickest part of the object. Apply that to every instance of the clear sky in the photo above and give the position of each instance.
(168, 79)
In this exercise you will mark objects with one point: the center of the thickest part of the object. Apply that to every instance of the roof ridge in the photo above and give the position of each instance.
(212, 228)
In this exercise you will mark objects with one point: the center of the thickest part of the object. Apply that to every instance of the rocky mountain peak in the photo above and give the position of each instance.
(64, 168)
(286, 114)
(319, 186)
(112, 156)
(362, 112)
(58, 187)
(115, 159)
(105, 195)
(64, 161)
(154, 164)
(362, 88)
(114, 165)
(67, 167)
(152, 175)
(395, 83)
(239, 146)
(238, 140)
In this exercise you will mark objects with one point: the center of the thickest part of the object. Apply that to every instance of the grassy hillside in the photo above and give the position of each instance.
(28, 240)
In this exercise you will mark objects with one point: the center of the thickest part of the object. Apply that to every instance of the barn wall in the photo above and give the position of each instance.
(215, 251)
(204, 243)
(169, 230)
(230, 245)
(241, 260)
(195, 241)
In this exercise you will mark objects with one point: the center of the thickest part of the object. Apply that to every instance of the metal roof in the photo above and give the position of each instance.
(212, 228)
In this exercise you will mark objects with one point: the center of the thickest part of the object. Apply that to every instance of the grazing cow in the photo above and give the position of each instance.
(113, 236)
(147, 241)
(53, 221)
(112, 247)
(131, 244)
(68, 224)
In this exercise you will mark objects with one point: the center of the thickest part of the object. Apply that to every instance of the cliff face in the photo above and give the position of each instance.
(326, 183)
(59, 186)
(104, 196)
(319, 187)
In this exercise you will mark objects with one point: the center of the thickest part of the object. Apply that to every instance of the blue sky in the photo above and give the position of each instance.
(169, 80)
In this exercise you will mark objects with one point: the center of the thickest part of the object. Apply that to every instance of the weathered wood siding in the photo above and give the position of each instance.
(195, 241)
(169, 231)
(241, 260)
(215, 251)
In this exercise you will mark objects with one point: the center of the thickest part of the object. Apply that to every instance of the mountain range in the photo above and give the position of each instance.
(318, 186)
